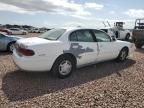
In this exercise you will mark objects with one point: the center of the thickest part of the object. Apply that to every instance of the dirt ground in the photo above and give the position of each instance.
(103, 85)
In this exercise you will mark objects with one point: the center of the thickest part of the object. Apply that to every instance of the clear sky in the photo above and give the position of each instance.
(56, 13)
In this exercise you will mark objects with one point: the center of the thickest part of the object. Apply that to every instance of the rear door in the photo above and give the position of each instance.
(83, 45)
(107, 48)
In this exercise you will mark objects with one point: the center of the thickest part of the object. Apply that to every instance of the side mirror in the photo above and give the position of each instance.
(113, 38)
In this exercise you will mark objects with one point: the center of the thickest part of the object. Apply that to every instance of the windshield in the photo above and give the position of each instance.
(53, 34)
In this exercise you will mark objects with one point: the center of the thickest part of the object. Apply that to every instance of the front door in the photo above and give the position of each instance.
(107, 47)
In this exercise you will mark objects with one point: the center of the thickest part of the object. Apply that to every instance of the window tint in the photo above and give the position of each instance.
(101, 36)
(73, 37)
(84, 36)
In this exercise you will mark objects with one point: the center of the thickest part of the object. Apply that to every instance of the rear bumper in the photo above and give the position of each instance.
(29, 64)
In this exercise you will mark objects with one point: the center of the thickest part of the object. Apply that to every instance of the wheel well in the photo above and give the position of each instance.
(69, 55)
(126, 48)
(128, 34)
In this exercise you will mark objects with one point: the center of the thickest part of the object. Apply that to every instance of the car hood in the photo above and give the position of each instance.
(35, 41)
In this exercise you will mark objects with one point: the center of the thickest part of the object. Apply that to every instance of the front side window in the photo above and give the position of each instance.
(53, 34)
(81, 36)
(101, 36)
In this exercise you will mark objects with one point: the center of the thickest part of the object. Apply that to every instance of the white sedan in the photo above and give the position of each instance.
(17, 31)
(62, 50)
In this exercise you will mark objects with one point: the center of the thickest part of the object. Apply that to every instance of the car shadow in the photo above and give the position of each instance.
(19, 86)
(3, 53)
(140, 50)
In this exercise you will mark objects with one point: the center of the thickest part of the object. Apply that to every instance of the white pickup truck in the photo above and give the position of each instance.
(118, 31)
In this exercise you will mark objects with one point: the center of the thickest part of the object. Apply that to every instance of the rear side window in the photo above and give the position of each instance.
(81, 36)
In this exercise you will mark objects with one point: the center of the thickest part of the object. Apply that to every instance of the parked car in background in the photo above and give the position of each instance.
(7, 31)
(7, 42)
(108, 30)
(17, 31)
(35, 30)
(42, 30)
(62, 50)
(138, 33)
(118, 31)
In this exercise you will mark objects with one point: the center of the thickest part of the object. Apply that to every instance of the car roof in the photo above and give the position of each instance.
(77, 28)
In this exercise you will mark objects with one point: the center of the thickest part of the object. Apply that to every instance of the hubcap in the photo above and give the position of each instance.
(65, 67)
(11, 47)
(123, 55)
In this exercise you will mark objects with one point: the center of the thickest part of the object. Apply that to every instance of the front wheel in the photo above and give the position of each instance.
(63, 67)
(127, 37)
(123, 55)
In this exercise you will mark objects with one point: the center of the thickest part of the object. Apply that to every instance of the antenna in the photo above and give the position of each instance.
(109, 24)
(104, 23)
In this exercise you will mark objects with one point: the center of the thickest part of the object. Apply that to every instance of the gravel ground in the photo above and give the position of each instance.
(104, 85)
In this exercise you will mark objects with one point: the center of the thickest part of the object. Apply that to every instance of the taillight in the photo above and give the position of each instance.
(26, 52)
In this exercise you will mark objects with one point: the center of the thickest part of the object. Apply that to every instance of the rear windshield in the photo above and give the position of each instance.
(53, 34)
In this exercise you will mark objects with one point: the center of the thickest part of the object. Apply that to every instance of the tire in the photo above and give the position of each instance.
(127, 38)
(123, 55)
(63, 67)
(10, 47)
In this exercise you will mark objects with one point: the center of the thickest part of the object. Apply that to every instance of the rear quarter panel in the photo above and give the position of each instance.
(46, 54)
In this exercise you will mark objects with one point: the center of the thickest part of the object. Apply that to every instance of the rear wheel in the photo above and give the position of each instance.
(63, 66)
(123, 55)
(10, 47)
